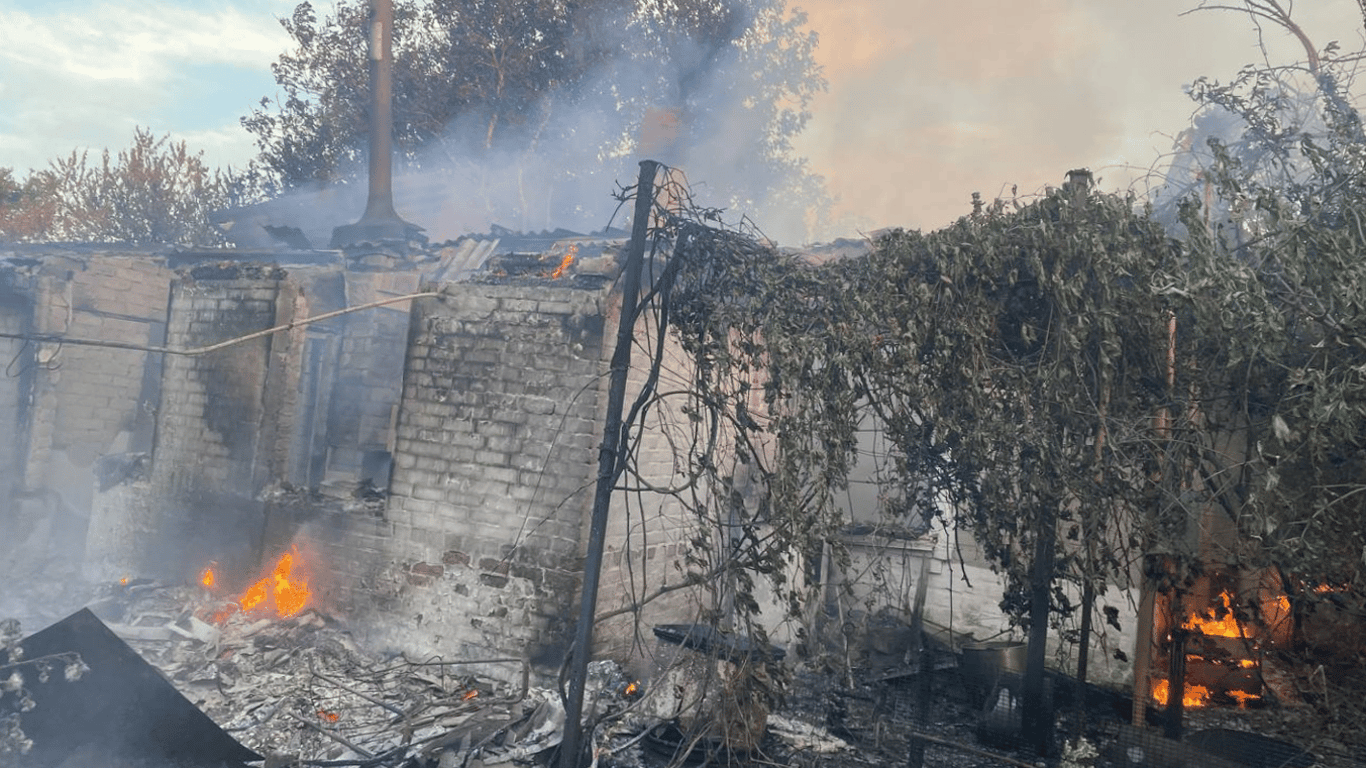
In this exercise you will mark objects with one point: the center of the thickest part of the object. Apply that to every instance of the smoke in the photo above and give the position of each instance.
(722, 113)
(929, 101)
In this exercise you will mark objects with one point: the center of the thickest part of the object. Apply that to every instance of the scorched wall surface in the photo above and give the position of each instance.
(73, 412)
(221, 430)
(476, 554)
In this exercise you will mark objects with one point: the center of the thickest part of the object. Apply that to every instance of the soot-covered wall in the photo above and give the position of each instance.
(477, 552)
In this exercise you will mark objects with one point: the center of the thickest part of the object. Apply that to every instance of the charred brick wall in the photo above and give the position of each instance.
(369, 377)
(222, 428)
(477, 552)
(73, 410)
(92, 401)
(16, 317)
(648, 532)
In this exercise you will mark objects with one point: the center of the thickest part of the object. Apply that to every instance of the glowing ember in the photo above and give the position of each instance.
(207, 578)
(565, 262)
(124, 581)
(1243, 698)
(330, 717)
(470, 695)
(632, 688)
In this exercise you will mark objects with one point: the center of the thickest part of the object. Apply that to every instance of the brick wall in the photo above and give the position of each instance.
(369, 376)
(16, 313)
(648, 531)
(223, 429)
(76, 404)
(92, 401)
(476, 554)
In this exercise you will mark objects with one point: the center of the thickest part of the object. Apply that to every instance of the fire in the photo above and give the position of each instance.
(330, 717)
(565, 262)
(1207, 624)
(1192, 696)
(632, 688)
(472, 693)
(286, 594)
(124, 581)
(283, 591)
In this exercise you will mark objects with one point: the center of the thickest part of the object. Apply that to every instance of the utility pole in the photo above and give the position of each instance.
(571, 746)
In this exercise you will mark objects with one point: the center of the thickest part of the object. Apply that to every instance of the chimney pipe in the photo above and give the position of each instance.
(380, 224)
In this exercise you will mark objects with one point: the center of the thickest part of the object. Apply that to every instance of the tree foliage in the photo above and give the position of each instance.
(1016, 360)
(156, 191)
(1079, 362)
(1273, 280)
(531, 106)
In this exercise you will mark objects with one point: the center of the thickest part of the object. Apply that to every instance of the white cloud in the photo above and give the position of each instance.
(137, 43)
(85, 77)
(225, 146)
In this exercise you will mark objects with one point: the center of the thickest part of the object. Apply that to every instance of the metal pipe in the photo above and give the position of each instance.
(572, 744)
(380, 223)
(380, 203)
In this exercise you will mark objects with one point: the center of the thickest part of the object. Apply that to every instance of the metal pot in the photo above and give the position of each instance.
(986, 665)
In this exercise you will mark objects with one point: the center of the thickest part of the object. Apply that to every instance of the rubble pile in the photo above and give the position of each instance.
(299, 689)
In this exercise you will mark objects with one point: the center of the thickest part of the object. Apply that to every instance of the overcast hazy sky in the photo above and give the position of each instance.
(928, 101)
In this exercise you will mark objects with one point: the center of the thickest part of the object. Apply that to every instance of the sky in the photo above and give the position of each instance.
(928, 101)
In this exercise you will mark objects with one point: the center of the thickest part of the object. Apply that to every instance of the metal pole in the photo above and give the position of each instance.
(380, 203)
(1037, 716)
(572, 744)
(380, 223)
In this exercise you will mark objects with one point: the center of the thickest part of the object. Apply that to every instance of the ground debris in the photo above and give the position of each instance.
(300, 691)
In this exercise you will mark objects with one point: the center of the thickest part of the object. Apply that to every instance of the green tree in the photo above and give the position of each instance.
(533, 107)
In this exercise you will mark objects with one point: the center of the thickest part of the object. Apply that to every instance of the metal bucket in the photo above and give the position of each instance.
(986, 665)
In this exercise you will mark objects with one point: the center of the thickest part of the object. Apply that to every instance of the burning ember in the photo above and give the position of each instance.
(632, 689)
(565, 262)
(207, 578)
(471, 694)
(330, 717)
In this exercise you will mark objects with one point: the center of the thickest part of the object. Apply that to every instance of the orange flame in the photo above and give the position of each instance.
(469, 695)
(1211, 623)
(124, 581)
(330, 717)
(1207, 624)
(1192, 696)
(286, 594)
(632, 688)
(207, 578)
(565, 262)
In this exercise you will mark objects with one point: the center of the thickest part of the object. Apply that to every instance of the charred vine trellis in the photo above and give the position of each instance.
(1019, 361)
